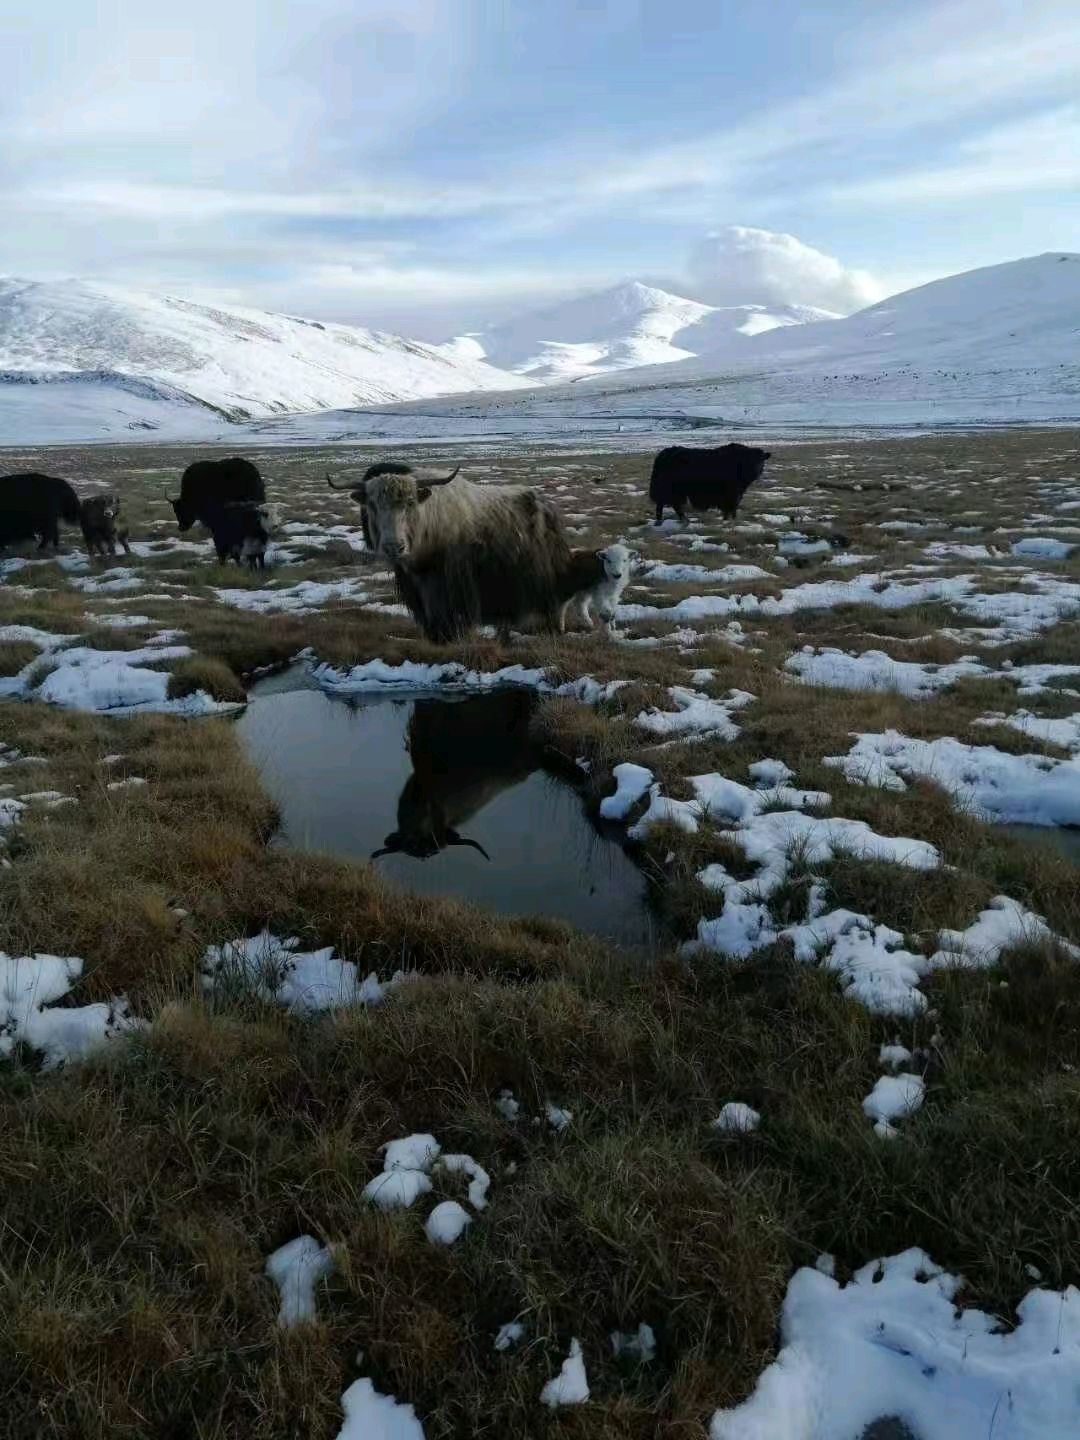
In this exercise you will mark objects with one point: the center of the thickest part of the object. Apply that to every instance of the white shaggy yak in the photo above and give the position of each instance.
(463, 554)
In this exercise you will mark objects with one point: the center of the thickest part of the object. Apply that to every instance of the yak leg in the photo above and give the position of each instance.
(680, 511)
(586, 612)
(660, 512)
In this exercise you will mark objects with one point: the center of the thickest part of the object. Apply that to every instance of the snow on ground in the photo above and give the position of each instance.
(1063, 731)
(1006, 617)
(893, 1098)
(447, 1223)
(1003, 924)
(989, 783)
(302, 598)
(657, 571)
(874, 670)
(371, 1416)
(737, 1118)
(111, 582)
(570, 1386)
(1041, 547)
(631, 782)
(117, 681)
(413, 676)
(509, 1335)
(30, 986)
(278, 972)
(406, 1172)
(295, 1269)
(892, 1342)
(695, 715)
(479, 1179)
(639, 1346)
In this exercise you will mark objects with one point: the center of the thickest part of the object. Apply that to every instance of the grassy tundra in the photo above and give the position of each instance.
(144, 1188)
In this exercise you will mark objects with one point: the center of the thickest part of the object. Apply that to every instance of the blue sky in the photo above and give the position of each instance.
(432, 166)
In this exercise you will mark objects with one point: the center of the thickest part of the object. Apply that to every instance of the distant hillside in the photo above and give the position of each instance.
(127, 357)
(621, 328)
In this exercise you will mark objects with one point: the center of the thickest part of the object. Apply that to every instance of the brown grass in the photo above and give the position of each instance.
(143, 1190)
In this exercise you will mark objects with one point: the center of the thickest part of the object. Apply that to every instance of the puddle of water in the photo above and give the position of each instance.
(1065, 841)
(450, 795)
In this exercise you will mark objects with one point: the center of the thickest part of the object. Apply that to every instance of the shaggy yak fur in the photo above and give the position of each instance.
(32, 506)
(594, 577)
(714, 479)
(463, 554)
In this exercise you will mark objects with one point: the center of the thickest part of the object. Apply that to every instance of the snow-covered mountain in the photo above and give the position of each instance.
(626, 326)
(998, 345)
(93, 359)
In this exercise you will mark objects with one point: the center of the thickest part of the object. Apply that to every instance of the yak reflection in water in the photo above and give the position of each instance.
(447, 797)
(463, 755)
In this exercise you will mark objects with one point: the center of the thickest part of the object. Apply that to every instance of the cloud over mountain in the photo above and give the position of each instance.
(739, 265)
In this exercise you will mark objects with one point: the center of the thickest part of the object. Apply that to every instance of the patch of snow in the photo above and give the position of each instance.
(767, 774)
(557, 1118)
(1004, 924)
(131, 781)
(29, 987)
(275, 970)
(891, 1057)
(570, 1386)
(507, 1106)
(738, 1118)
(640, 1345)
(371, 1416)
(631, 781)
(658, 571)
(1041, 547)
(451, 677)
(989, 783)
(479, 1179)
(295, 1269)
(509, 1335)
(696, 714)
(302, 598)
(893, 1098)
(447, 1223)
(893, 1342)
(874, 670)
(1064, 731)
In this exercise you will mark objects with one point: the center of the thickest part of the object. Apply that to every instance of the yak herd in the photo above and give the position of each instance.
(462, 554)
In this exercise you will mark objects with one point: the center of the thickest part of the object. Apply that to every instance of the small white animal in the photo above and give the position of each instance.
(594, 578)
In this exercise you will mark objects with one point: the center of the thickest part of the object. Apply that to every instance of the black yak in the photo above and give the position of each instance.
(241, 532)
(208, 485)
(715, 479)
(463, 554)
(103, 525)
(32, 506)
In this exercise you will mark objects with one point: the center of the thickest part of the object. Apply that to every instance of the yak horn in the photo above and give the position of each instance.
(349, 484)
(430, 480)
(456, 839)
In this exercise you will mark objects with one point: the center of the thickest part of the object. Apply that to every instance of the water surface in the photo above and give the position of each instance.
(449, 796)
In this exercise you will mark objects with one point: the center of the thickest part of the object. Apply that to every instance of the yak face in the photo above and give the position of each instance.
(184, 511)
(391, 499)
(616, 560)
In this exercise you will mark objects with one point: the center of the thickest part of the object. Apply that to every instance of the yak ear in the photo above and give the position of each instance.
(423, 492)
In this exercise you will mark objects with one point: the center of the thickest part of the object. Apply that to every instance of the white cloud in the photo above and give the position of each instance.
(740, 265)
